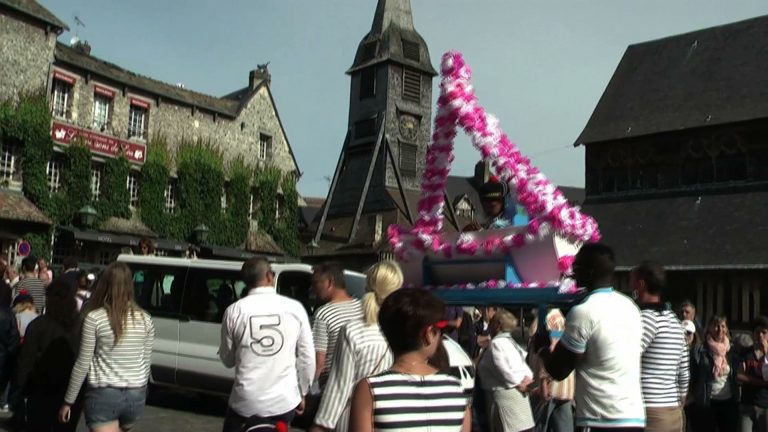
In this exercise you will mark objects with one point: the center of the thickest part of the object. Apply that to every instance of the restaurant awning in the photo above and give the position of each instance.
(171, 245)
(102, 237)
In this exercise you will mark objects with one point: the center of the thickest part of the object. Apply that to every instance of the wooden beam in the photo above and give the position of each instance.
(332, 189)
(400, 187)
(451, 213)
(369, 175)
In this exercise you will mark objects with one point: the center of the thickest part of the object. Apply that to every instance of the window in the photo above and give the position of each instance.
(102, 108)
(224, 203)
(411, 85)
(408, 159)
(368, 83)
(133, 189)
(265, 146)
(95, 183)
(138, 120)
(208, 293)
(277, 206)
(9, 164)
(378, 227)
(61, 98)
(464, 209)
(411, 50)
(253, 207)
(158, 288)
(170, 198)
(105, 257)
(53, 172)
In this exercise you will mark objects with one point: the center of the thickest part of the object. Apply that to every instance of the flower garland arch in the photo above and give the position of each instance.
(548, 210)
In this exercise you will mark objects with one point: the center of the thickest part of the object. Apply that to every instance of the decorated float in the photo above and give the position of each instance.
(523, 264)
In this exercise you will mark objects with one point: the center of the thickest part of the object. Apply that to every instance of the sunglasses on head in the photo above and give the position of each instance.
(441, 325)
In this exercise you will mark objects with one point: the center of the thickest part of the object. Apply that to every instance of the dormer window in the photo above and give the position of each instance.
(465, 209)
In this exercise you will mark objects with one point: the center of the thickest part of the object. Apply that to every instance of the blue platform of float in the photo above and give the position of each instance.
(507, 296)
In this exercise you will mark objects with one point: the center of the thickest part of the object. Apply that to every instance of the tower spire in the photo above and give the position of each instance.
(392, 12)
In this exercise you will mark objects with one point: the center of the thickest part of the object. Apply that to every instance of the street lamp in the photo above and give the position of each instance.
(87, 216)
(201, 233)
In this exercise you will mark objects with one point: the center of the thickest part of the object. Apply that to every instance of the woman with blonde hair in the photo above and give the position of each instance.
(506, 378)
(361, 349)
(115, 352)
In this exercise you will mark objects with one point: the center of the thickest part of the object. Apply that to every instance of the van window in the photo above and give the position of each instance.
(158, 288)
(208, 293)
(298, 286)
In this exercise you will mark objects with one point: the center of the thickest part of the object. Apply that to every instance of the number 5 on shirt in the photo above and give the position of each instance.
(267, 337)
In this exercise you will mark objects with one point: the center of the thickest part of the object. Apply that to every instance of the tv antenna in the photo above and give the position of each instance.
(78, 23)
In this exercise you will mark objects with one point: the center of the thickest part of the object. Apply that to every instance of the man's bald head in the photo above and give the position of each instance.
(257, 272)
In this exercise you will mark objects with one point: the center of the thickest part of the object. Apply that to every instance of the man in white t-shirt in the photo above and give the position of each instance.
(268, 339)
(601, 343)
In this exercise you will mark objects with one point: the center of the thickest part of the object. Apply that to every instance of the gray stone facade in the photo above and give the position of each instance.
(235, 137)
(26, 53)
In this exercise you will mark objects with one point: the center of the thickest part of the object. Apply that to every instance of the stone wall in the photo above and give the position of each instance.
(177, 122)
(26, 53)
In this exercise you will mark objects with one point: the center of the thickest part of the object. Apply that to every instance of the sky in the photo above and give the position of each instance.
(539, 66)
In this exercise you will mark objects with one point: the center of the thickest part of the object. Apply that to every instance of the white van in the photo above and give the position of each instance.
(187, 299)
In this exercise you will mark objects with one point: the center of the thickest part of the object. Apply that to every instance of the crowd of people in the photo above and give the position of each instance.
(72, 344)
(614, 362)
(75, 344)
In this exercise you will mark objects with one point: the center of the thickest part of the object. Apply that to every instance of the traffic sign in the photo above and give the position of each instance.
(24, 248)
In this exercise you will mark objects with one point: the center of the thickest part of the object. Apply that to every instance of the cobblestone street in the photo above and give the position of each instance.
(171, 410)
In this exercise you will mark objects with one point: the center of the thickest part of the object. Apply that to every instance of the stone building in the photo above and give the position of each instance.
(117, 111)
(676, 158)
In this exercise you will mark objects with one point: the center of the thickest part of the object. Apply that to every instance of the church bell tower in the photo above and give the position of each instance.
(382, 159)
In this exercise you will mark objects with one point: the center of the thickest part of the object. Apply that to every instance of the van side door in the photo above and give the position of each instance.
(158, 289)
(207, 294)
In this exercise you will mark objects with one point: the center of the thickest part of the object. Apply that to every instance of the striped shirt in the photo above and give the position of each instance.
(403, 402)
(34, 287)
(664, 369)
(361, 351)
(108, 365)
(329, 319)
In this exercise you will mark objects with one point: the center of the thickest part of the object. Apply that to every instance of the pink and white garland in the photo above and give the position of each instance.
(565, 286)
(547, 208)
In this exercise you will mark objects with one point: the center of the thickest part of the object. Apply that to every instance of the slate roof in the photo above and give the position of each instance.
(694, 232)
(229, 105)
(35, 10)
(261, 242)
(15, 206)
(131, 226)
(702, 78)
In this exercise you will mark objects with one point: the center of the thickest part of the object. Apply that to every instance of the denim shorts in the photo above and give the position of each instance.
(109, 404)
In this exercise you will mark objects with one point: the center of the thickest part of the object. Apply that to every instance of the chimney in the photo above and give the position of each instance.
(261, 73)
(82, 46)
(481, 173)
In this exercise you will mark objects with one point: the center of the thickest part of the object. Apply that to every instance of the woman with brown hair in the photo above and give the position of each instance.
(115, 354)
(413, 394)
(715, 390)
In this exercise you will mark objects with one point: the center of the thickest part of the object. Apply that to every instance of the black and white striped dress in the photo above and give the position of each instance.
(403, 402)
(361, 351)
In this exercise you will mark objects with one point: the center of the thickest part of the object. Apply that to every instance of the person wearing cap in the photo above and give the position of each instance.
(664, 372)
(493, 196)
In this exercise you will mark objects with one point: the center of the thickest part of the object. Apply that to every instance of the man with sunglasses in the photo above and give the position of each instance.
(268, 339)
(601, 342)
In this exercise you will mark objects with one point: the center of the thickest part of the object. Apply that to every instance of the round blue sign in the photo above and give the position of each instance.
(24, 248)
